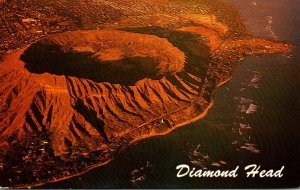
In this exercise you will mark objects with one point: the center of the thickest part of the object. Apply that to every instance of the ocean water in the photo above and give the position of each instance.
(255, 120)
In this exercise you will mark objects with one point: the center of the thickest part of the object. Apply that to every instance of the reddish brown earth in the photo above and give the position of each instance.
(73, 100)
(95, 108)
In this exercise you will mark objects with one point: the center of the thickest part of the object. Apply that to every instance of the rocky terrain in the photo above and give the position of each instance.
(113, 73)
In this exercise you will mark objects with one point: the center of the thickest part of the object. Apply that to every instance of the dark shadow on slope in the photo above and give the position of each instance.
(91, 117)
(197, 53)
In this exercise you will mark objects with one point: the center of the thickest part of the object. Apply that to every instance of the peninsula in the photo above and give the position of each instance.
(82, 80)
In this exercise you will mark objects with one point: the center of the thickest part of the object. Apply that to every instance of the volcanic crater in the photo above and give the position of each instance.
(72, 101)
(95, 88)
(104, 56)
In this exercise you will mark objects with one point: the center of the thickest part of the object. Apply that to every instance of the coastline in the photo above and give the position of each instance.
(202, 115)
(92, 176)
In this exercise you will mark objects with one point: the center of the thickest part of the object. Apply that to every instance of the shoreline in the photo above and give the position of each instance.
(200, 116)
(208, 33)
(214, 33)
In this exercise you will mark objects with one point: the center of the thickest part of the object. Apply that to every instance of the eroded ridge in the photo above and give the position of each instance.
(63, 117)
(71, 101)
